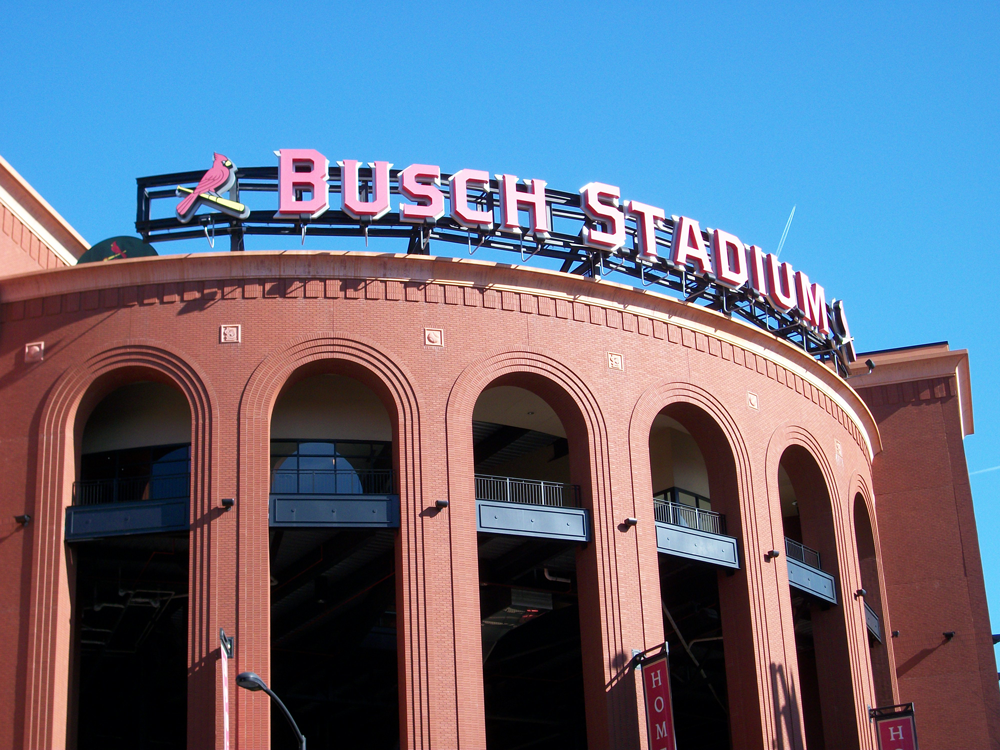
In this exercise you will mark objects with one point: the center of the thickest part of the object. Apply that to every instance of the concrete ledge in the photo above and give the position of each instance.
(812, 581)
(355, 511)
(570, 524)
(118, 519)
(717, 549)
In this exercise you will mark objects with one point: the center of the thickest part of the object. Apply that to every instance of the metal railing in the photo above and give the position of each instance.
(331, 482)
(527, 491)
(131, 489)
(872, 621)
(678, 514)
(802, 553)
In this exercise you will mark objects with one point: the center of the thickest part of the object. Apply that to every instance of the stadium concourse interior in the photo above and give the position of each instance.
(529, 599)
(333, 590)
(689, 592)
(129, 666)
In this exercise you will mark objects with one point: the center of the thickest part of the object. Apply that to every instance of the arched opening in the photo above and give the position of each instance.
(128, 545)
(825, 679)
(872, 599)
(530, 462)
(695, 498)
(333, 515)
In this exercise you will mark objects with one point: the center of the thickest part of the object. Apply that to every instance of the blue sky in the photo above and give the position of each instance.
(880, 122)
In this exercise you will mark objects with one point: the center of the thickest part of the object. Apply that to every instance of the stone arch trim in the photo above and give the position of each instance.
(48, 649)
(256, 405)
(614, 716)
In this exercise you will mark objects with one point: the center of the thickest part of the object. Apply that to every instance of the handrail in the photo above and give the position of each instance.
(802, 553)
(132, 489)
(873, 622)
(527, 491)
(680, 495)
(346, 481)
(679, 514)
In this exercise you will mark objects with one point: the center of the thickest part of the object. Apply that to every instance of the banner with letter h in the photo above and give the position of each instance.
(895, 727)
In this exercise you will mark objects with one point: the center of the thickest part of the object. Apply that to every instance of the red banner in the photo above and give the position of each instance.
(895, 727)
(659, 712)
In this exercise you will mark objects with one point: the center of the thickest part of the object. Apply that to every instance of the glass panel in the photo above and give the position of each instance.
(97, 466)
(317, 449)
(170, 453)
(281, 448)
(349, 448)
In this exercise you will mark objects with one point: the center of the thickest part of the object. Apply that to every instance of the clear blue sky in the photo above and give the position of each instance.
(879, 122)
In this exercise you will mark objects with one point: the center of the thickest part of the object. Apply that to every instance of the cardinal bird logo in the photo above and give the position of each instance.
(218, 179)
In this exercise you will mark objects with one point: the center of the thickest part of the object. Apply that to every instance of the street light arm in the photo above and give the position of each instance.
(288, 715)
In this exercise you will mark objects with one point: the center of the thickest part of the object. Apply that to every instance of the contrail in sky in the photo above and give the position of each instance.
(983, 471)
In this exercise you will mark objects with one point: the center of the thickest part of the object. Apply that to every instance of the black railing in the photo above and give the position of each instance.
(331, 482)
(684, 497)
(132, 489)
(527, 491)
(873, 623)
(802, 553)
(679, 514)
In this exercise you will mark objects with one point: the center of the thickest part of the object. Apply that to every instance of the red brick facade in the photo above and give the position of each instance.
(746, 395)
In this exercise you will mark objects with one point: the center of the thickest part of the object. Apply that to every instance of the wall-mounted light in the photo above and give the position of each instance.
(631, 521)
(771, 554)
(440, 504)
(228, 502)
(24, 519)
(871, 365)
(860, 593)
(895, 634)
(948, 634)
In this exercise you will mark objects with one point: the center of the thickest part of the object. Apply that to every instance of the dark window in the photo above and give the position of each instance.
(331, 467)
(160, 472)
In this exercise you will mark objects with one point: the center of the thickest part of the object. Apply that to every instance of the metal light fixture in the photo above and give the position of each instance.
(228, 502)
(772, 554)
(252, 682)
(24, 519)
(948, 634)
(860, 593)
(440, 504)
(871, 365)
(631, 521)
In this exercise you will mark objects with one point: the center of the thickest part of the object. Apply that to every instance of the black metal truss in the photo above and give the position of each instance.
(563, 207)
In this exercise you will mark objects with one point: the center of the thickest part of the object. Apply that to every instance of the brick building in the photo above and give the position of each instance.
(442, 503)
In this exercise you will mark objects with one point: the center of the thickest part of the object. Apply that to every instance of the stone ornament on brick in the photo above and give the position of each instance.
(616, 361)
(34, 352)
(752, 401)
(230, 334)
(433, 337)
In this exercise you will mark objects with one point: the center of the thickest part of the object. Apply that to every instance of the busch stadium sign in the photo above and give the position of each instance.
(592, 231)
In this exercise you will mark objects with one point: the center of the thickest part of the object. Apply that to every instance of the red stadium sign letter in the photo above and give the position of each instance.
(659, 713)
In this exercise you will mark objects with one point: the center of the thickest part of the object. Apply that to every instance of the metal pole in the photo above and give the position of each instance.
(288, 715)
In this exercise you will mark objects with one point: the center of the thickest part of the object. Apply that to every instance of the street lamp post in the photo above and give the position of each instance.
(252, 682)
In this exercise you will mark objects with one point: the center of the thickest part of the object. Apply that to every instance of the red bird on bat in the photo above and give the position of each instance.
(218, 179)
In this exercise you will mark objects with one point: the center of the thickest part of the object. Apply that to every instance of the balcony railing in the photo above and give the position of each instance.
(802, 553)
(689, 517)
(527, 491)
(345, 481)
(872, 621)
(131, 489)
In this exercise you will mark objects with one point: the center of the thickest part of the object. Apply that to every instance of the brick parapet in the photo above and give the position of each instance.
(605, 304)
